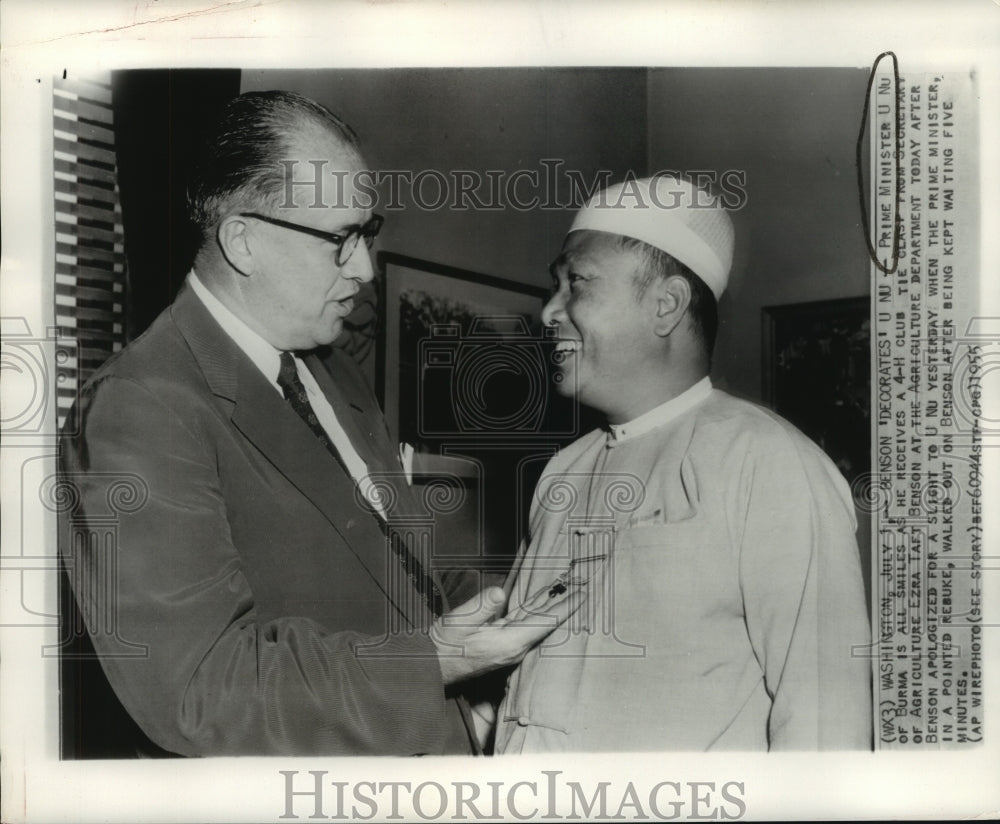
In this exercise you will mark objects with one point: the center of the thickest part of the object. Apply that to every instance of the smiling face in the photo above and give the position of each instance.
(606, 342)
(296, 293)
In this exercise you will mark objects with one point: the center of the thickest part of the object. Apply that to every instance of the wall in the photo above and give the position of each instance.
(480, 119)
(792, 131)
(160, 119)
(799, 236)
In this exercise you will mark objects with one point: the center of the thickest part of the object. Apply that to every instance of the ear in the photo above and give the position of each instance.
(234, 241)
(670, 297)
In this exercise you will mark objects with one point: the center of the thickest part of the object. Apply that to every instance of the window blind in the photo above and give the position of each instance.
(90, 270)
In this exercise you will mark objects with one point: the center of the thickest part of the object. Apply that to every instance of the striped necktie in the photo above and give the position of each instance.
(295, 393)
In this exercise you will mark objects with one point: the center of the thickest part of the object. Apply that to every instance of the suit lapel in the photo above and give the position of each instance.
(352, 416)
(272, 426)
(361, 423)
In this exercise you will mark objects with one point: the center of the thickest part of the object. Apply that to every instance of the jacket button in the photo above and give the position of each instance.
(523, 720)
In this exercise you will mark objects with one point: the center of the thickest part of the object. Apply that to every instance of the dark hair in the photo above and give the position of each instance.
(239, 162)
(703, 309)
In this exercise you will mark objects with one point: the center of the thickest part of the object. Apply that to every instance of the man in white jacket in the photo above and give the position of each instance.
(713, 541)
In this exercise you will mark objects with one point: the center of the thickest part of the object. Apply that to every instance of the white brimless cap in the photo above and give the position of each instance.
(671, 214)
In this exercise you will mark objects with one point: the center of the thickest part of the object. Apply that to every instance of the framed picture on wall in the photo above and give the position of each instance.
(816, 373)
(464, 379)
(461, 354)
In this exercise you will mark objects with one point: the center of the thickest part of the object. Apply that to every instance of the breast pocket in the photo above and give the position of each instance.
(667, 581)
(655, 560)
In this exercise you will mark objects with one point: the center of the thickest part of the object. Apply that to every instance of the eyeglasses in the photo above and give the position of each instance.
(345, 242)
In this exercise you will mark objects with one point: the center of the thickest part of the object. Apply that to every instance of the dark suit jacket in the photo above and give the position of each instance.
(273, 617)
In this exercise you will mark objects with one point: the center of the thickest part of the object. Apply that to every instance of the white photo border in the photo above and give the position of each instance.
(41, 41)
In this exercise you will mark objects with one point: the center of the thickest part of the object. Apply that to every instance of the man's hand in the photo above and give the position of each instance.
(469, 643)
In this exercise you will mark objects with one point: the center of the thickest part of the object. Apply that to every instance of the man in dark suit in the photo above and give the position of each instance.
(257, 563)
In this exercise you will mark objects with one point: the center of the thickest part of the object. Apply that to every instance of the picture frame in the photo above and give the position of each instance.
(421, 299)
(464, 381)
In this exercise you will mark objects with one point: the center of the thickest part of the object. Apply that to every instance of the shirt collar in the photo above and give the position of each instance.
(264, 356)
(660, 415)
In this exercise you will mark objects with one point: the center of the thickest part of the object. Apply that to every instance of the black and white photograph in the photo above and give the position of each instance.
(444, 427)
